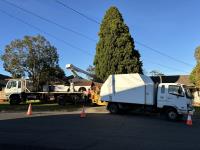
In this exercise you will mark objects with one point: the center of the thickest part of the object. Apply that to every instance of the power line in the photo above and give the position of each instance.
(49, 21)
(139, 43)
(80, 34)
(174, 69)
(49, 34)
(70, 45)
(163, 54)
(83, 15)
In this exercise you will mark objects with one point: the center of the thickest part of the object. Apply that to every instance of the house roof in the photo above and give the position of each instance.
(182, 79)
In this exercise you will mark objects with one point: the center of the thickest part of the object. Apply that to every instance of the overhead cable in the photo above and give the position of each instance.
(49, 34)
(139, 43)
(49, 21)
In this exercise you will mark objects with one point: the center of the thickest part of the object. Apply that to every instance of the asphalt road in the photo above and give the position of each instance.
(98, 132)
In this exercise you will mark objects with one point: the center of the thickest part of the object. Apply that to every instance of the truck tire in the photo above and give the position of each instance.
(82, 89)
(113, 108)
(14, 100)
(172, 114)
(61, 100)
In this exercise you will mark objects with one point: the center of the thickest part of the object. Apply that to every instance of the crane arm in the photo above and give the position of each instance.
(75, 69)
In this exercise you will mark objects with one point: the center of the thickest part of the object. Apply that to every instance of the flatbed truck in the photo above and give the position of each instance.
(17, 91)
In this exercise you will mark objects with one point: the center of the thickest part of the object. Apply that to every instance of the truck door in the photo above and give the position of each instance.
(12, 87)
(19, 87)
(161, 96)
(176, 97)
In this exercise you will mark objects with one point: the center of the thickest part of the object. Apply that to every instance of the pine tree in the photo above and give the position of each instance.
(115, 51)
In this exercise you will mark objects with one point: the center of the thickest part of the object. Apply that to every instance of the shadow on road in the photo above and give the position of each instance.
(24, 147)
(97, 131)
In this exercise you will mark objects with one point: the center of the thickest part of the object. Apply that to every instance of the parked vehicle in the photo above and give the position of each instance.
(136, 91)
(19, 90)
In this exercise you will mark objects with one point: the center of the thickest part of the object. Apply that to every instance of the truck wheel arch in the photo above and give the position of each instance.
(165, 108)
(14, 99)
(113, 108)
(82, 89)
(170, 112)
(61, 100)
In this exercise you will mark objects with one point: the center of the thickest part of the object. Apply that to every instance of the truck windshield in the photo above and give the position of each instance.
(187, 92)
(11, 84)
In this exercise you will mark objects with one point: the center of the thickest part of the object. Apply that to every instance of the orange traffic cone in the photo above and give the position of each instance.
(189, 120)
(83, 114)
(29, 112)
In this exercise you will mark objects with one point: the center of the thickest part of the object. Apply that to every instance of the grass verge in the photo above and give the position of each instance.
(38, 107)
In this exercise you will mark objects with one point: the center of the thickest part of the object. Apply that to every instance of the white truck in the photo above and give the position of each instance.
(135, 91)
(19, 90)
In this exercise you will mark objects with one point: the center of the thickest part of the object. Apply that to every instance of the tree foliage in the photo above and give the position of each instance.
(156, 73)
(195, 74)
(15, 58)
(33, 56)
(115, 51)
(91, 70)
(197, 54)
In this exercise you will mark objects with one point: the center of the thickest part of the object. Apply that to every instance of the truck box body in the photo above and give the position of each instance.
(128, 88)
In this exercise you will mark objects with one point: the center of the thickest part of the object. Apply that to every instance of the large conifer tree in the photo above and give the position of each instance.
(115, 51)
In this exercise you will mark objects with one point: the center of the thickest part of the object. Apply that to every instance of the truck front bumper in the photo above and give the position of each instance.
(186, 112)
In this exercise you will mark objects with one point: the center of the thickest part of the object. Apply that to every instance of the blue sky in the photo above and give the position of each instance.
(171, 27)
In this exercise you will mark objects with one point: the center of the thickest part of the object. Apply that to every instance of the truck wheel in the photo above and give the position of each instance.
(82, 89)
(61, 101)
(14, 100)
(172, 114)
(113, 108)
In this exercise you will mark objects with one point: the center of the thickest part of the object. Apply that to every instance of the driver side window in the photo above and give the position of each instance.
(12, 84)
(174, 89)
(9, 85)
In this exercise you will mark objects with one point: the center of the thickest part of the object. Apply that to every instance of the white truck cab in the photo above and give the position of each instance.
(175, 95)
(14, 86)
(14, 89)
